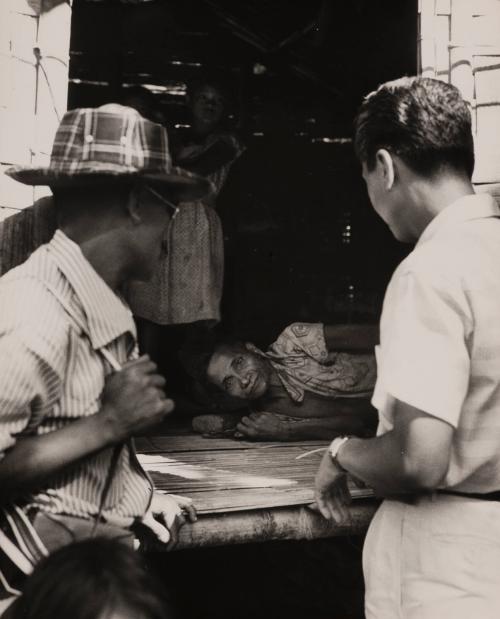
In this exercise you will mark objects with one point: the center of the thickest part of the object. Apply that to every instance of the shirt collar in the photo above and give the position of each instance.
(467, 208)
(108, 316)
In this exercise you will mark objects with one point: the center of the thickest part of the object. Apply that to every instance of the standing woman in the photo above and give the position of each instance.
(187, 287)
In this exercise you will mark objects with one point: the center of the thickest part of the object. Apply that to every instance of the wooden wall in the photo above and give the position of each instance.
(302, 240)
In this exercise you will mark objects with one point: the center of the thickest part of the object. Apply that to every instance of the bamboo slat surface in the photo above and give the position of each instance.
(225, 475)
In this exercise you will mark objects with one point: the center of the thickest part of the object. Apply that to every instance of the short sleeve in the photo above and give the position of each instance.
(33, 343)
(302, 338)
(423, 358)
(27, 385)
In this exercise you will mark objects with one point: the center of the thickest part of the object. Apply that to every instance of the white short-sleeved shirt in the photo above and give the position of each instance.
(440, 338)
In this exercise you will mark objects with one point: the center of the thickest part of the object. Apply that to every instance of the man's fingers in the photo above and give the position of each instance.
(339, 504)
(341, 512)
(179, 521)
(322, 505)
(242, 428)
(138, 361)
(142, 363)
(314, 507)
(190, 510)
(247, 430)
(158, 381)
(187, 505)
(168, 406)
(332, 504)
(157, 528)
(346, 495)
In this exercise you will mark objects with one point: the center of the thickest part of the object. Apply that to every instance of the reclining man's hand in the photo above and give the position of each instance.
(263, 425)
(134, 399)
(166, 515)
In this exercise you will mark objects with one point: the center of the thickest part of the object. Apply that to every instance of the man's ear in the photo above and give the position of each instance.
(133, 206)
(386, 167)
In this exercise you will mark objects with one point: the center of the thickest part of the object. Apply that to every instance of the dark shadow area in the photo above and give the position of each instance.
(320, 579)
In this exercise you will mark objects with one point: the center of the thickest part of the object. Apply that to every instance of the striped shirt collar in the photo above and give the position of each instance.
(108, 316)
(473, 206)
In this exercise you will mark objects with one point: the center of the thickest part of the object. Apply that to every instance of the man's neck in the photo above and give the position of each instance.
(104, 256)
(429, 198)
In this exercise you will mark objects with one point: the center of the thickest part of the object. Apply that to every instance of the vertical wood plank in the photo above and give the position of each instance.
(53, 42)
(461, 73)
(427, 44)
(487, 84)
(442, 37)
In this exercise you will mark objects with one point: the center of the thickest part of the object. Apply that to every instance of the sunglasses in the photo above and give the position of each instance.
(174, 209)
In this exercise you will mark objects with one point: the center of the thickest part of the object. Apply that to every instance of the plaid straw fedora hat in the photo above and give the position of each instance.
(110, 143)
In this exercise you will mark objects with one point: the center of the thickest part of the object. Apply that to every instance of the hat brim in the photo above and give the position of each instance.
(188, 186)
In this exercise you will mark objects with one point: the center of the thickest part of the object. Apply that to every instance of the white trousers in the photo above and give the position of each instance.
(435, 558)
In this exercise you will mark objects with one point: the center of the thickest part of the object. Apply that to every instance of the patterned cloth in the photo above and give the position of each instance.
(187, 286)
(440, 338)
(303, 363)
(57, 313)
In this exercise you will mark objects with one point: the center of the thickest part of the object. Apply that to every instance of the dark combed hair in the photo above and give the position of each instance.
(195, 361)
(423, 121)
(86, 579)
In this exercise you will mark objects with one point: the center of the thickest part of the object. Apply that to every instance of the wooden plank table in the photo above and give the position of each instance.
(246, 491)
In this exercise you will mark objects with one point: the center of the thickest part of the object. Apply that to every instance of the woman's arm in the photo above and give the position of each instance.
(219, 154)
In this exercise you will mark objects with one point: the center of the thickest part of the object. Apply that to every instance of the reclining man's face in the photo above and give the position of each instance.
(239, 371)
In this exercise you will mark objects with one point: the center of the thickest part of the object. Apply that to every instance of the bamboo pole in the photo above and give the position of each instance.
(265, 525)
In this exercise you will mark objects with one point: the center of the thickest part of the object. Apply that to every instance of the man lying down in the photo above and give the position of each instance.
(314, 382)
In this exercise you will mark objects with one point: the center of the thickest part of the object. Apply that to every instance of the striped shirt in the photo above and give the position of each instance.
(56, 314)
(440, 338)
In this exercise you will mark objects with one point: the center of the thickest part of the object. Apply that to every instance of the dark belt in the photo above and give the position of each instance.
(488, 496)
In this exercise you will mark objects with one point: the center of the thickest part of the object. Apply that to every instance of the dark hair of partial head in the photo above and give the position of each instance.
(88, 580)
(423, 121)
(196, 359)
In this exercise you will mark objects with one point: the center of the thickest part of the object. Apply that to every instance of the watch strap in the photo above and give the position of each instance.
(334, 448)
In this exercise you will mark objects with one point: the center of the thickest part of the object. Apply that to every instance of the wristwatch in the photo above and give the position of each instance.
(334, 448)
